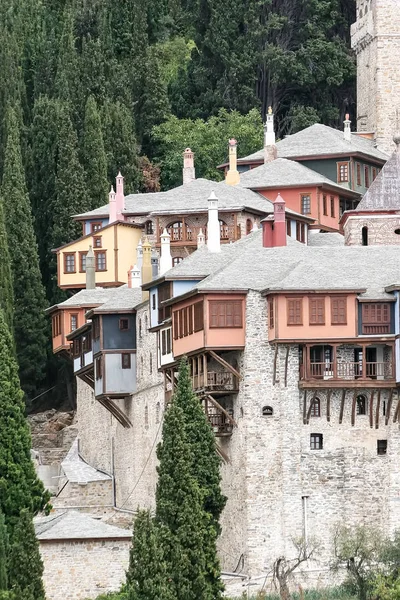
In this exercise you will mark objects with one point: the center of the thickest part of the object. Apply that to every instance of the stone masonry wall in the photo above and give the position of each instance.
(381, 230)
(79, 570)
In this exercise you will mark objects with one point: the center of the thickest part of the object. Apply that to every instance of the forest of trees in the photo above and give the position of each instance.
(88, 88)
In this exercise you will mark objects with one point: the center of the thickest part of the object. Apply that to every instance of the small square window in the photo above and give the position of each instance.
(124, 324)
(126, 360)
(381, 447)
(305, 204)
(96, 226)
(69, 263)
(316, 408)
(316, 441)
(97, 241)
(74, 322)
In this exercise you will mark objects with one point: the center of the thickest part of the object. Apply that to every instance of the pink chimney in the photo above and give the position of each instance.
(120, 198)
(112, 205)
(274, 226)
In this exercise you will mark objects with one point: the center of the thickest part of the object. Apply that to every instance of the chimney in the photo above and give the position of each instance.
(90, 270)
(232, 176)
(134, 278)
(188, 171)
(255, 227)
(274, 226)
(155, 266)
(147, 270)
(165, 258)
(213, 227)
(139, 255)
(201, 240)
(112, 206)
(120, 198)
(270, 151)
(347, 130)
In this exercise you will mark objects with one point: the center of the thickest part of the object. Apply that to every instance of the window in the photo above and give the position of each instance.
(381, 447)
(69, 262)
(295, 311)
(361, 405)
(95, 226)
(153, 302)
(149, 228)
(140, 328)
(364, 236)
(223, 230)
(325, 205)
(76, 347)
(176, 260)
(267, 411)
(366, 176)
(375, 318)
(164, 293)
(225, 313)
(271, 313)
(87, 342)
(175, 230)
(188, 320)
(316, 441)
(99, 367)
(158, 410)
(101, 262)
(288, 227)
(198, 316)
(249, 226)
(343, 172)
(97, 241)
(317, 311)
(96, 328)
(146, 417)
(338, 311)
(373, 173)
(82, 262)
(358, 171)
(56, 325)
(316, 408)
(333, 206)
(124, 324)
(166, 341)
(73, 322)
(125, 360)
(305, 204)
(300, 232)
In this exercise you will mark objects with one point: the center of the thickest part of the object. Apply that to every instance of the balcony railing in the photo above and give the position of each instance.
(188, 235)
(216, 381)
(350, 370)
(376, 329)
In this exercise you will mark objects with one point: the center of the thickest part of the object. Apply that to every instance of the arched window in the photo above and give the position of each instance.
(146, 417)
(316, 408)
(361, 405)
(175, 230)
(157, 412)
(249, 226)
(149, 227)
(176, 260)
(151, 363)
(267, 411)
(140, 328)
(364, 236)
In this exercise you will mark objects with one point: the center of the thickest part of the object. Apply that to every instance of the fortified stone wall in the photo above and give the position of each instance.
(381, 230)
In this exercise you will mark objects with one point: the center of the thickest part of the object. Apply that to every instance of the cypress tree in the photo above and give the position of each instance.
(3, 555)
(185, 528)
(146, 576)
(94, 157)
(6, 279)
(25, 566)
(30, 326)
(19, 486)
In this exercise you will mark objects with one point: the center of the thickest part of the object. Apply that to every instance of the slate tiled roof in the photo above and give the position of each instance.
(85, 298)
(104, 299)
(78, 470)
(124, 298)
(384, 192)
(320, 140)
(73, 525)
(325, 239)
(283, 172)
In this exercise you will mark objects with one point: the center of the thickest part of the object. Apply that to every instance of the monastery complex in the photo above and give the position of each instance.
(281, 285)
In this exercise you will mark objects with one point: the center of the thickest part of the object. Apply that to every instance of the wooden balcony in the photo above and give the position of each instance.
(221, 421)
(185, 235)
(216, 381)
(351, 370)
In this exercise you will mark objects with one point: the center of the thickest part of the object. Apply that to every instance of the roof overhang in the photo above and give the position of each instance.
(297, 291)
(99, 232)
(357, 213)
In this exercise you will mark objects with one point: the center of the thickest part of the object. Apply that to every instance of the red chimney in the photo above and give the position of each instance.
(274, 226)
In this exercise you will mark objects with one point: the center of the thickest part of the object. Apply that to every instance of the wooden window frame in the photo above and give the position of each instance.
(175, 324)
(374, 173)
(366, 177)
(96, 226)
(358, 174)
(381, 447)
(333, 212)
(96, 328)
(96, 254)
(99, 367)
(176, 260)
(76, 348)
(97, 241)
(56, 325)
(121, 324)
(67, 255)
(87, 342)
(375, 308)
(235, 314)
(343, 178)
(164, 293)
(249, 226)
(288, 310)
(76, 317)
(149, 227)
(271, 315)
(325, 205)
(303, 203)
(198, 316)
(315, 315)
(316, 441)
(82, 253)
(316, 408)
(126, 360)
(335, 319)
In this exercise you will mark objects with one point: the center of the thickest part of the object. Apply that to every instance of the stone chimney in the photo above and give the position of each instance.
(201, 239)
(274, 226)
(112, 206)
(90, 270)
(120, 198)
(134, 278)
(165, 258)
(347, 130)
(232, 176)
(213, 227)
(188, 171)
(270, 150)
(147, 274)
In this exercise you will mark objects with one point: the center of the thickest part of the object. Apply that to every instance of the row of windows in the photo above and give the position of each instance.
(300, 231)
(188, 320)
(70, 261)
(325, 206)
(343, 173)
(294, 307)
(317, 443)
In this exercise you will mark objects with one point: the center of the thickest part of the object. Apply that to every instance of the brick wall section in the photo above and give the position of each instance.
(75, 570)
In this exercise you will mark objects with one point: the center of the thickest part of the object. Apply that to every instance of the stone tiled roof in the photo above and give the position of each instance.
(283, 172)
(320, 140)
(105, 299)
(73, 525)
(124, 298)
(384, 192)
(78, 470)
(86, 298)
(325, 239)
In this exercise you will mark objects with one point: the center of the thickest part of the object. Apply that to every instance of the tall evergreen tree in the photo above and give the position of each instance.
(146, 577)
(30, 326)
(6, 277)
(19, 485)
(25, 566)
(94, 157)
(3, 555)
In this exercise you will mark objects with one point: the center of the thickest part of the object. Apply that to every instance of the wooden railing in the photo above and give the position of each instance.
(186, 234)
(350, 370)
(221, 421)
(375, 329)
(216, 381)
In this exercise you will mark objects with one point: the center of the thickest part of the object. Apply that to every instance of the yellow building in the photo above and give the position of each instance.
(114, 247)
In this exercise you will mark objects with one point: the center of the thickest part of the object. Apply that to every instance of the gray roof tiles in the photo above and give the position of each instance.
(384, 192)
(73, 525)
(106, 299)
(78, 470)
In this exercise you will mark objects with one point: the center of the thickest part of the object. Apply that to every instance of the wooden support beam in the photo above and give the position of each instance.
(389, 407)
(116, 412)
(397, 411)
(286, 363)
(328, 405)
(378, 407)
(353, 408)
(225, 364)
(305, 407)
(342, 406)
(275, 362)
(219, 407)
(311, 406)
(371, 410)
(222, 454)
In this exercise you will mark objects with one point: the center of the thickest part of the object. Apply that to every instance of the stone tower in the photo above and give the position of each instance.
(375, 37)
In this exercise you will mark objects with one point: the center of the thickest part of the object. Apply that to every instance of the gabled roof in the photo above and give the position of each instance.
(77, 470)
(384, 192)
(103, 299)
(85, 298)
(283, 173)
(108, 226)
(124, 299)
(321, 140)
(73, 525)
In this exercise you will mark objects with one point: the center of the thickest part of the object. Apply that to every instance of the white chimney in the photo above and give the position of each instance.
(347, 130)
(213, 227)
(269, 131)
(139, 255)
(134, 277)
(201, 239)
(255, 227)
(90, 270)
(165, 258)
(112, 206)
(188, 171)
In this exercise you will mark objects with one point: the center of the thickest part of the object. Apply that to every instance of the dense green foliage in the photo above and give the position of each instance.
(3, 554)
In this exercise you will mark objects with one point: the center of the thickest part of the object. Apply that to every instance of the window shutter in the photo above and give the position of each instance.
(176, 321)
(295, 311)
(198, 316)
(229, 314)
(168, 335)
(163, 343)
(237, 314)
(213, 314)
(317, 311)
